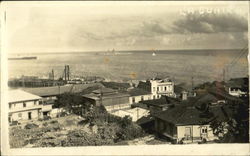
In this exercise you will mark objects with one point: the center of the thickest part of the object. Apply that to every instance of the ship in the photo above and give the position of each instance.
(23, 58)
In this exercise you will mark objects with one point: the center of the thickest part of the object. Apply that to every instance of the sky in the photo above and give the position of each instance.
(33, 27)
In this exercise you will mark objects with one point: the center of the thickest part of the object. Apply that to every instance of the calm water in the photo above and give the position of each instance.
(180, 65)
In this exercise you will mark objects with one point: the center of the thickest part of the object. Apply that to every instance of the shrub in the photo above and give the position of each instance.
(54, 122)
(30, 126)
(82, 122)
(46, 118)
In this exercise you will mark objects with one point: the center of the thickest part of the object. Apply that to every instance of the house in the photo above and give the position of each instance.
(49, 94)
(111, 99)
(158, 105)
(158, 87)
(134, 113)
(238, 87)
(26, 106)
(186, 124)
(137, 95)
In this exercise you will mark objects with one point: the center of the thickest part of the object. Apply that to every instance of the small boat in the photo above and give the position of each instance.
(23, 58)
(153, 54)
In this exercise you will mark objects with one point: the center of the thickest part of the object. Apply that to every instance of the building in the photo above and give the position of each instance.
(49, 94)
(134, 113)
(111, 99)
(238, 87)
(26, 106)
(186, 124)
(158, 87)
(158, 105)
(137, 95)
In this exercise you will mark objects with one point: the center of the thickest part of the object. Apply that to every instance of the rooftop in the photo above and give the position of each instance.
(20, 95)
(137, 92)
(180, 115)
(56, 90)
(161, 102)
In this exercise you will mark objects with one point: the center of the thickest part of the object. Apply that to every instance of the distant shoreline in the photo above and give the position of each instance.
(175, 51)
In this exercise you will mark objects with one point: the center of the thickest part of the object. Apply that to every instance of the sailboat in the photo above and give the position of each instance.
(153, 54)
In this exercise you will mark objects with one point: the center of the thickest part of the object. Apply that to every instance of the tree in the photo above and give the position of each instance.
(235, 129)
(73, 103)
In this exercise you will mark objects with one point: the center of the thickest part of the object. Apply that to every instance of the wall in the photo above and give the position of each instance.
(195, 132)
(24, 115)
(19, 105)
(164, 88)
(138, 98)
(115, 100)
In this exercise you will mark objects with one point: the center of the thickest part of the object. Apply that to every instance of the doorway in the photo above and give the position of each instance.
(29, 116)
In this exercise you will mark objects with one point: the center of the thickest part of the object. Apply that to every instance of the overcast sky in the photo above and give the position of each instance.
(99, 26)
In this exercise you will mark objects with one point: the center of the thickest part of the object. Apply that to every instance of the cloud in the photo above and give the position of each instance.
(211, 23)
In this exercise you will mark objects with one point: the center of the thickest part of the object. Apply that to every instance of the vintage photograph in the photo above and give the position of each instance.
(126, 73)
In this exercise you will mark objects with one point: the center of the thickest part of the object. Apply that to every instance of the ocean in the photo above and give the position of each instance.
(181, 65)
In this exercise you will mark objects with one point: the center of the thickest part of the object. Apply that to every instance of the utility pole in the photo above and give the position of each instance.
(192, 79)
(224, 75)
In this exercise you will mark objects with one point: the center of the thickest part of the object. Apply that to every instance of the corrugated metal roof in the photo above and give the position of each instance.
(137, 92)
(20, 95)
(56, 90)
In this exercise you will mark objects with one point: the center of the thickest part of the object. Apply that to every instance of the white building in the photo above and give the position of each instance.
(134, 113)
(26, 106)
(158, 87)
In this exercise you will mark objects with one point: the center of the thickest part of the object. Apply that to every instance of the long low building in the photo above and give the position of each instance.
(111, 99)
(26, 106)
(49, 94)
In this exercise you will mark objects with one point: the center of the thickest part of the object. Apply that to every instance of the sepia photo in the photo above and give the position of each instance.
(152, 74)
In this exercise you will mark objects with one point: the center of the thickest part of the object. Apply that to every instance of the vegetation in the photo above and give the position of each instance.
(93, 126)
(236, 128)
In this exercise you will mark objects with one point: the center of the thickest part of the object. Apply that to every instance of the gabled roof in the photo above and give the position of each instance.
(137, 92)
(104, 90)
(56, 90)
(180, 115)
(20, 95)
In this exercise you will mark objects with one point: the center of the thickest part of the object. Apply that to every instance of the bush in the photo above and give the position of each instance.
(82, 122)
(30, 126)
(54, 122)
(13, 123)
(46, 118)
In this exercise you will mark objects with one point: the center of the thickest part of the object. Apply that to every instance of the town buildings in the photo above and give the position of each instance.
(26, 106)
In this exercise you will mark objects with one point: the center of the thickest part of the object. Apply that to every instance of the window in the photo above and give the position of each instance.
(204, 130)
(20, 116)
(142, 98)
(157, 88)
(133, 99)
(40, 102)
(24, 104)
(9, 106)
(153, 96)
(153, 89)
